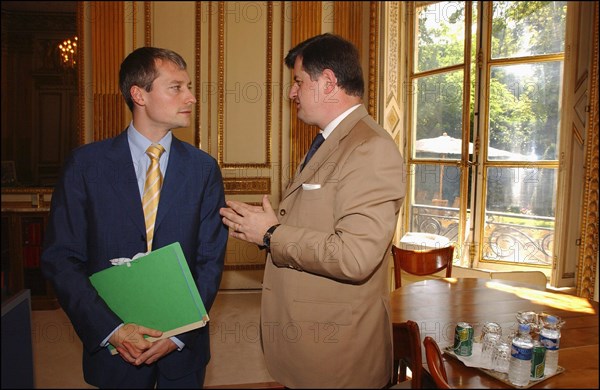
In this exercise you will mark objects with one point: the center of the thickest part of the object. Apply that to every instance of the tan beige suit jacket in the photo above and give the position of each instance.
(325, 311)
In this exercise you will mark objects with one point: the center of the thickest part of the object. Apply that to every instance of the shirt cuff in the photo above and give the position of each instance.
(104, 342)
(180, 345)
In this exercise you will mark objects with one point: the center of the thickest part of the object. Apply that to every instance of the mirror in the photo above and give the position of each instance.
(40, 92)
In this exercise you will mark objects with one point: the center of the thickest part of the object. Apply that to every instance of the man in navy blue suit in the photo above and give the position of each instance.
(96, 215)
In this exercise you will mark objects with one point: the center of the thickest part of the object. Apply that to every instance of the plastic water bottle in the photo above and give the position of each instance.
(550, 337)
(521, 352)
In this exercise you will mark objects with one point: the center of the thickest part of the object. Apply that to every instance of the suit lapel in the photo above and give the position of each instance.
(329, 146)
(120, 173)
(174, 181)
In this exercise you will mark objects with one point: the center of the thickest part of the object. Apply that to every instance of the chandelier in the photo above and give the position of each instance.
(68, 52)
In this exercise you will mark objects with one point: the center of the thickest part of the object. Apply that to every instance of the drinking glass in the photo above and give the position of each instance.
(501, 357)
(488, 345)
(490, 336)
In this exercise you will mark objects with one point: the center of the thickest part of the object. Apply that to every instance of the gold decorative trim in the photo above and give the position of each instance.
(247, 185)
(588, 255)
(244, 267)
(147, 23)
(134, 24)
(281, 97)
(373, 57)
(220, 80)
(269, 59)
(28, 190)
(209, 78)
(81, 73)
(197, 76)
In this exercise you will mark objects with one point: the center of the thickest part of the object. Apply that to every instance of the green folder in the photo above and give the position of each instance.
(156, 291)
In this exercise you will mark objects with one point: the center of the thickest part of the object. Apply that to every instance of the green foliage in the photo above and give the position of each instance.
(523, 100)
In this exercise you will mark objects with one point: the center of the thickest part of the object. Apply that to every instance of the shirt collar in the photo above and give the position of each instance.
(333, 124)
(138, 143)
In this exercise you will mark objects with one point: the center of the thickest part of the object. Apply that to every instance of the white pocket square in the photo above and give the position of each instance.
(310, 187)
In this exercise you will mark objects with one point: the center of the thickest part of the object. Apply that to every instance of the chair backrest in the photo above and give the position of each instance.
(422, 262)
(407, 353)
(435, 363)
(532, 277)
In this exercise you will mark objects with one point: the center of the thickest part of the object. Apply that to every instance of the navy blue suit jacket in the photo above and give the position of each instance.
(96, 215)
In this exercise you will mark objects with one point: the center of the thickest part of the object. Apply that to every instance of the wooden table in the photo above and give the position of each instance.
(437, 305)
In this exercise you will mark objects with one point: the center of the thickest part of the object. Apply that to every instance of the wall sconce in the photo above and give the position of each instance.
(68, 52)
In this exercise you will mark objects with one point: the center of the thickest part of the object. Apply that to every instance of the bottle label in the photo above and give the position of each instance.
(550, 344)
(521, 353)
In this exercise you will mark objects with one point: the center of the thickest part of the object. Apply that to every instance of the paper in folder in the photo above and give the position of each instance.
(156, 291)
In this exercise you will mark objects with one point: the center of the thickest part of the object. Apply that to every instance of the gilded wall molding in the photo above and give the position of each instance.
(221, 88)
(147, 23)
(281, 94)
(209, 80)
(81, 74)
(247, 185)
(373, 89)
(244, 267)
(220, 80)
(588, 255)
(197, 76)
(134, 24)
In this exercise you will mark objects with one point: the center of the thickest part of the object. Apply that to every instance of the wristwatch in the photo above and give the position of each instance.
(267, 236)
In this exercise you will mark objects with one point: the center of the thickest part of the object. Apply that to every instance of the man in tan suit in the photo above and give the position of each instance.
(325, 316)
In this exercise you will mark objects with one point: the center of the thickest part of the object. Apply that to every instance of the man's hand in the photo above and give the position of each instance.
(247, 222)
(159, 349)
(130, 342)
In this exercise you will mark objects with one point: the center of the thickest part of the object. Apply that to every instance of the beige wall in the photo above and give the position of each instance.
(234, 52)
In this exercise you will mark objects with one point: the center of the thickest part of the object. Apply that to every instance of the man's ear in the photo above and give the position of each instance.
(330, 80)
(137, 95)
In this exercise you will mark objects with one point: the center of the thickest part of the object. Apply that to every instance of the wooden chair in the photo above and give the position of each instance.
(407, 354)
(435, 363)
(422, 262)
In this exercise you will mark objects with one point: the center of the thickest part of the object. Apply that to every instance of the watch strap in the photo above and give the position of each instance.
(268, 235)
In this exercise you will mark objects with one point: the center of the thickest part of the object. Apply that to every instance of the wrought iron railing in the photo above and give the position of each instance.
(509, 237)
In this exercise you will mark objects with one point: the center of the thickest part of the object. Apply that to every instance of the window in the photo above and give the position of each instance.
(484, 115)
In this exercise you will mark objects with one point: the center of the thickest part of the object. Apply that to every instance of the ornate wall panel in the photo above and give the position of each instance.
(107, 44)
(240, 100)
(588, 259)
(390, 86)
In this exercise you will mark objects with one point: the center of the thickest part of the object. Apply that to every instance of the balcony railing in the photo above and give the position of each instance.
(509, 237)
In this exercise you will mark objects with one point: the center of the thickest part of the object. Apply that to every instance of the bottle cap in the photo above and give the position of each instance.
(524, 328)
(551, 319)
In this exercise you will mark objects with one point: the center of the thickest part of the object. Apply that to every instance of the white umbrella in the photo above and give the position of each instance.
(445, 144)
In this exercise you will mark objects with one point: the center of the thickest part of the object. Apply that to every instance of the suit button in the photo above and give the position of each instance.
(282, 212)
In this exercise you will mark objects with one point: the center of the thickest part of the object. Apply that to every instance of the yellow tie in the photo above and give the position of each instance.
(152, 190)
